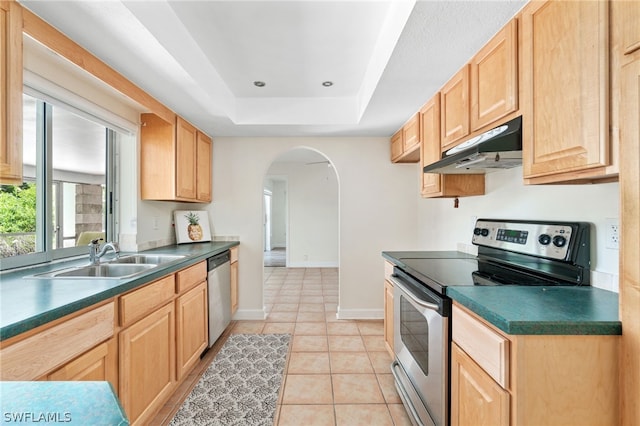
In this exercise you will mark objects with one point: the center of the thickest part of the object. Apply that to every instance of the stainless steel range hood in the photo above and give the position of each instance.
(498, 148)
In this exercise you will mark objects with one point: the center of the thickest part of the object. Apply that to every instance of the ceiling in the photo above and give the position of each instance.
(385, 58)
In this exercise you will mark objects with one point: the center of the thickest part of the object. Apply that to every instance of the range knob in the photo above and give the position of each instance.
(484, 232)
(476, 231)
(559, 241)
(544, 239)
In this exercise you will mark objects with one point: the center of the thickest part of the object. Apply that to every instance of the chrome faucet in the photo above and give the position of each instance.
(95, 253)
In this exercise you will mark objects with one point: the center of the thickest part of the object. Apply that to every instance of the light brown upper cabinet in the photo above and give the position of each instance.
(433, 184)
(204, 152)
(186, 149)
(175, 163)
(565, 91)
(455, 108)
(494, 78)
(405, 143)
(10, 93)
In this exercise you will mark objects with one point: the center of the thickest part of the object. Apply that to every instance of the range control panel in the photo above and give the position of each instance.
(550, 240)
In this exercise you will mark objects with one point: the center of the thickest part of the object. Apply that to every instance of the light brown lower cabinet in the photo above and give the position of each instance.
(98, 364)
(147, 364)
(163, 330)
(37, 354)
(388, 316)
(475, 398)
(388, 307)
(531, 380)
(191, 328)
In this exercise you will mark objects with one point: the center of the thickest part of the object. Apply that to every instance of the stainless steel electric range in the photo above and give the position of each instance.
(510, 252)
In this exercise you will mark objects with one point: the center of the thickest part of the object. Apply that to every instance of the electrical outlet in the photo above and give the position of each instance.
(612, 235)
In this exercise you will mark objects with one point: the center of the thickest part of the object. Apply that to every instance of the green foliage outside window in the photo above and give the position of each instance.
(17, 215)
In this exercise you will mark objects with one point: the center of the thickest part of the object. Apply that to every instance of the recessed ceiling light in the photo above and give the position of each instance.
(327, 83)
(259, 83)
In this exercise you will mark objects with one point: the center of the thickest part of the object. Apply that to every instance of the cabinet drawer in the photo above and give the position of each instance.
(40, 353)
(233, 254)
(488, 349)
(191, 276)
(139, 303)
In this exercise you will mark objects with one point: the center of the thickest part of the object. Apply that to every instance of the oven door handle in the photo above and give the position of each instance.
(409, 294)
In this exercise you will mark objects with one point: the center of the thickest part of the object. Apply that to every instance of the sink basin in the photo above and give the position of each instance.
(105, 270)
(154, 259)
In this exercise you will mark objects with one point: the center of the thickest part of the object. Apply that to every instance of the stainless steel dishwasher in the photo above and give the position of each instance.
(219, 287)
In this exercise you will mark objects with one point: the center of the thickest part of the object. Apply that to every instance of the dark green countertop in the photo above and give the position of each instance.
(543, 310)
(73, 403)
(531, 309)
(27, 302)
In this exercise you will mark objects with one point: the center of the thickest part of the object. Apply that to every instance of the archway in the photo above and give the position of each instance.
(301, 233)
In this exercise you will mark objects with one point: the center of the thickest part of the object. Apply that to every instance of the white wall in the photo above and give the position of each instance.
(443, 227)
(378, 211)
(312, 201)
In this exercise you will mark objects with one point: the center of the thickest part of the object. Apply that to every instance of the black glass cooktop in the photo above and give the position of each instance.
(440, 273)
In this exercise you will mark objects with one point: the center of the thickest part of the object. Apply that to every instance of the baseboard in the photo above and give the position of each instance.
(360, 313)
(312, 264)
(250, 315)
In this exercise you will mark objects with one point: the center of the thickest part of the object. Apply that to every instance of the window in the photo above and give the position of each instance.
(65, 199)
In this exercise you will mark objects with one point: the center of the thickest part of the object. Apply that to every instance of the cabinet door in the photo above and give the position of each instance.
(630, 242)
(455, 108)
(98, 364)
(191, 328)
(185, 160)
(434, 184)
(147, 364)
(10, 93)
(430, 147)
(494, 78)
(396, 145)
(475, 398)
(388, 316)
(234, 287)
(411, 134)
(203, 167)
(157, 158)
(565, 88)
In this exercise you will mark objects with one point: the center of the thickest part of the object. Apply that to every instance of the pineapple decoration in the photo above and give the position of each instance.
(194, 229)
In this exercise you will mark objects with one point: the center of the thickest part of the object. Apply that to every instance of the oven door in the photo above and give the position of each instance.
(421, 345)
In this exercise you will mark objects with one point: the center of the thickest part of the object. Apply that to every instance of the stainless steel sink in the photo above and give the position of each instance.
(155, 259)
(105, 270)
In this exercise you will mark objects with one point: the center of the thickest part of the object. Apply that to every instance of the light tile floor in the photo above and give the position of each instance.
(337, 370)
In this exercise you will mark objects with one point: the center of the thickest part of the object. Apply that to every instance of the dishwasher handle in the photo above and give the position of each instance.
(217, 260)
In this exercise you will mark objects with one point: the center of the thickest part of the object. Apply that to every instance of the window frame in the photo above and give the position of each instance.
(45, 234)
